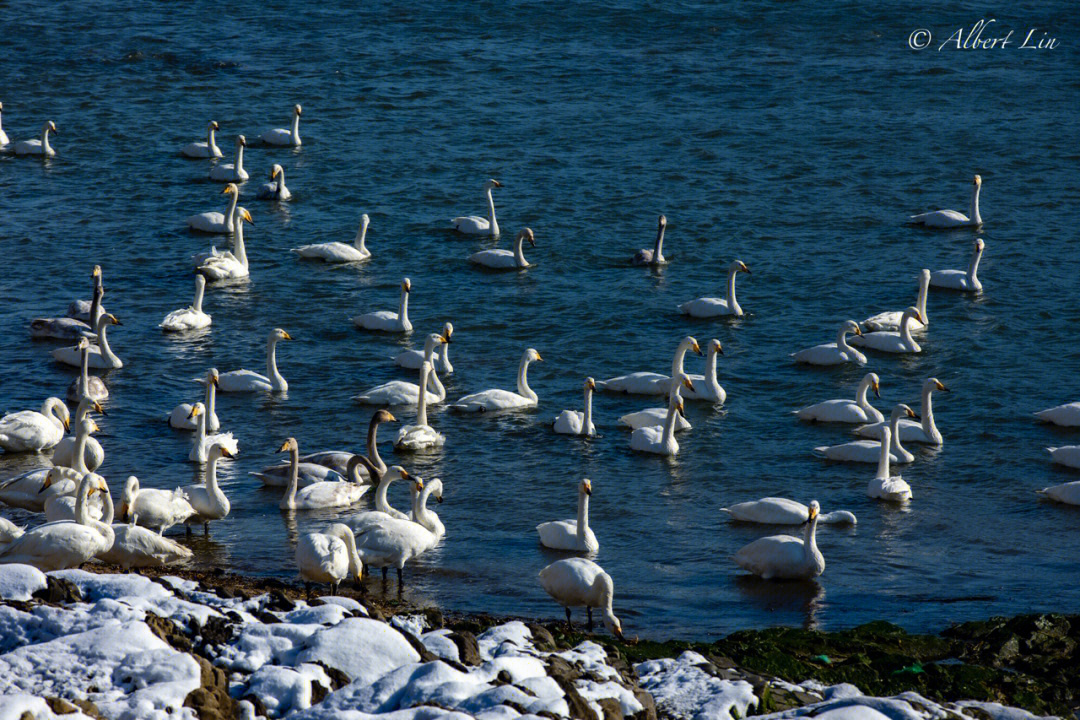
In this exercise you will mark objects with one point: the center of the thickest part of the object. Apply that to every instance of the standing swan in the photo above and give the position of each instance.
(153, 508)
(38, 147)
(283, 136)
(661, 440)
(30, 430)
(707, 387)
(505, 259)
(884, 487)
(650, 383)
(783, 557)
(781, 511)
(200, 450)
(834, 353)
(208, 149)
(98, 356)
(420, 436)
(474, 225)
(842, 410)
(189, 318)
(232, 172)
(576, 582)
(429, 518)
(867, 451)
(910, 431)
(655, 256)
(490, 400)
(328, 557)
(952, 218)
(391, 542)
(573, 535)
(275, 189)
(965, 281)
(181, 417)
(207, 498)
(707, 307)
(399, 392)
(215, 222)
(572, 422)
(388, 320)
(890, 341)
(249, 381)
(891, 320)
(325, 494)
(338, 252)
(1067, 415)
(413, 359)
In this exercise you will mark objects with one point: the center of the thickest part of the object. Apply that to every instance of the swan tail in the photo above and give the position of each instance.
(1041, 492)
(821, 451)
(1051, 450)
(726, 510)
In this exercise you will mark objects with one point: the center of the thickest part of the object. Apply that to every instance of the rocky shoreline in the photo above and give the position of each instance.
(100, 643)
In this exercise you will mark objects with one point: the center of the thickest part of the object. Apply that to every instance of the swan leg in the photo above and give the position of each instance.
(187, 529)
(588, 613)
(206, 529)
(307, 588)
(384, 575)
(569, 625)
(333, 589)
(399, 580)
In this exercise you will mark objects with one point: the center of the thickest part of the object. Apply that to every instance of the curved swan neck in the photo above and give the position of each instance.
(905, 332)
(373, 446)
(211, 142)
(277, 382)
(82, 410)
(200, 289)
(974, 212)
(883, 456)
(295, 130)
(860, 395)
(280, 188)
(973, 267)
(419, 507)
(79, 459)
(103, 342)
(711, 380)
(841, 339)
(45, 147)
(928, 425)
(421, 395)
(381, 503)
(582, 513)
(894, 427)
(355, 564)
(95, 301)
(523, 381)
(810, 540)
(677, 362)
(361, 232)
(658, 250)
(732, 303)
(519, 251)
(294, 478)
(108, 514)
(444, 357)
(491, 213)
(230, 212)
(239, 157)
(211, 472)
(669, 422)
(239, 249)
(82, 514)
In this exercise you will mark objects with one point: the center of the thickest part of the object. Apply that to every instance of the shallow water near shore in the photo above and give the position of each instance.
(761, 137)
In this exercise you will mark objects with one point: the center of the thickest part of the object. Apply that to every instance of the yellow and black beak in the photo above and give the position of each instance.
(225, 452)
(284, 447)
(942, 387)
(247, 216)
(98, 408)
(286, 335)
(697, 348)
(194, 412)
(588, 488)
(877, 390)
(67, 424)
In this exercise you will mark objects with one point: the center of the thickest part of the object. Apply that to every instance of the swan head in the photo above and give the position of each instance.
(448, 331)
(50, 126)
(382, 416)
(435, 489)
(527, 234)
(241, 141)
(246, 216)
(903, 410)
(219, 450)
(290, 445)
(54, 475)
(214, 377)
(231, 189)
(492, 184)
(590, 384)
(200, 281)
(586, 486)
(406, 285)
(715, 347)
(297, 110)
(812, 511)
(532, 356)
(935, 384)
(196, 410)
(852, 327)
(396, 472)
(915, 313)
(875, 384)
(83, 343)
(979, 245)
(278, 334)
(213, 125)
(662, 221)
(924, 276)
(112, 319)
(97, 272)
(276, 170)
(977, 180)
(98, 409)
(740, 266)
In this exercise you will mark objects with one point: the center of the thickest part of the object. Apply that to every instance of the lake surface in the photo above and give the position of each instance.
(794, 138)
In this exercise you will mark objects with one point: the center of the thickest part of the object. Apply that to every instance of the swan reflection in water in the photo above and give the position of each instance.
(807, 597)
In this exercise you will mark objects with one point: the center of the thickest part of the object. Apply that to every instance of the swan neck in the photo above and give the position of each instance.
(523, 380)
(361, 232)
(519, 251)
(973, 267)
(239, 248)
(444, 357)
(381, 503)
(669, 422)
(678, 360)
(658, 251)
(79, 458)
(109, 512)
(905, 333)
(200, 289)
(230, 212)
(974, 213)
(586, 418)
(860, 394)
(294, 478)
(354, 557)
(373, 448)
(582, 514)
(883, 456)
(211, 473)
(710, 371)
(103, 343)
(732, 303)
(420, 509)
(928, 425)
(95, 303)
(841, 339)
(211, 399)
(276, 380)
(82, 514)
(211, 144)
(84, 374)
(895, 446)
(239, 158)
(810, 539)
(491, 213)
(295, 130)
(45, 148)
(924, 286)
(421, 397)
(403, 307)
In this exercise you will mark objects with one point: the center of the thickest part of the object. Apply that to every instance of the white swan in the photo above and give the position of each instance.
(428, 517)
(420, 435)
(65, 544)
(952, 218)
(32, 430)
(189, 318)
(208, 149)
(890, 341)
(505, 259)
(707, 387)
(339, 252)
(645, 256)
(1067, 415)
(283, 136)
(72, 328)
(365, 519)
(153, 508)
(834, 353)
(215, 222)
(86, 310)
(66, 451)
(249, 381)
(842, 410)
(925, 431)
(574, 535)
(413, 359)
(1067, 455)
(59, 507)
(399, 392)
(98, 356)
(660, 440)
(579, 582)
(650, 383)
(388, 320)
(207, 498)
(707, 307)
(181, 417)
(891, 320)
(653, 417)
(575, 422)
(234, 171)
(316, 495)
(229, 265)
(38, 146)
(135, 546)
(200, 449)
(336, 461)
(86, 385)
(783, 557)
(28, 490)
(966, 281)
(474, 225)
(9, 531)
(883, 486)
(3, 136)
(781, 511)
(392, 542)
(491, 400)
(868, 451)
(1068, 493)
(328, 557)
(275, 189)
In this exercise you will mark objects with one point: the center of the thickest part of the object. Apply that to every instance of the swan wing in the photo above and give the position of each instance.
(1065, 415)
(491, 400)
(135, 546)
(941, 218)
(769, 511)
(243, 381)
(779, 556)
(1069, 455)
(395, 392)
(639, 383)
(704, 307)
(471, 225)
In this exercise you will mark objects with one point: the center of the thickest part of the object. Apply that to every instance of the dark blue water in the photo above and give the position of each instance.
(794, 138)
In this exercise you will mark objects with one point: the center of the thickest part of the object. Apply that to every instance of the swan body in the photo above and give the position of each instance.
(655, 256)
(153, 508)
(650, 383)
(86, 385)
(181, 417)
(475, 225)
(652, 417)
(505, 259)
(391, 541)
(93, 453)
(574, 535)
(883, 486)
(834, 353)
(420, 436)
(493, 400)
(661, 440)
(62, 507)
(200, 449)
(1068, 455)
(38, 146)
(215, 222)
(229, 265)
(1064, 415)
(78, 323)
(98, 356)
(893, 320)
(275, 189)
(429, 518)
(32, 430)
(209, 502)
(925, 431)
(707, 387)
(32, 489)
(579, 582)
(9, 531)
(891, 341)
(1068, 493)
(952, 218)
(328, 557)
(707, 307)
(868, 451)
(858, 410)
(285, 136)
(208, 149)
(365, 519)
(783, 557)
(339, 252)
(388, 320)
(189, 318)
(308, 473)
(573, 422)
(963, 280)
(232, 172)
(781, 511)
(439, 356)
(248, 381)
(399, 392)
(316, 495)
(137, 547)
(330, 464)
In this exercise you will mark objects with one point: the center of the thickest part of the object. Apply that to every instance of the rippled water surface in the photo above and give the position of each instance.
(793, 138)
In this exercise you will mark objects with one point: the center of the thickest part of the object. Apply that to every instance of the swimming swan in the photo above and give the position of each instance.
(577, 582)
(229, 265)
(72, 328)
(781, 511)
(32, 430)
(316, 495)
(283, 136)
(399, 392)
(1067, 455)
(573, 535)
(181, 417)
(275, 189)
(331, 464)
(249, 381)
(1068, 493)
(574, 422)
(661, 440)
(413, 359)
(189, 318)
(952, 218)
(858, 410)
(891, 341)
(655, 256)
(29, 491)
(208, 149)
(38, 146)
(707, 387)
(783, 557)
(707, 307)
(66, 451)
(215, 222)
(834, 353)
(891, 320)
(474, 225)
(868, 451)
(338, 252)
(910, 431)
(388, 320)
(492, 400)
(965, 281)
(200, 449)
(653, 417)
(97, 356)
(232, 172)
(1067, 415)
(505, 259)
(86, 385)
(420, 435)
(650, 383)
(882, 486)
(328, 557)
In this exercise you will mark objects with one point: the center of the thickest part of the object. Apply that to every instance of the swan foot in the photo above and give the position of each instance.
(569, 625)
